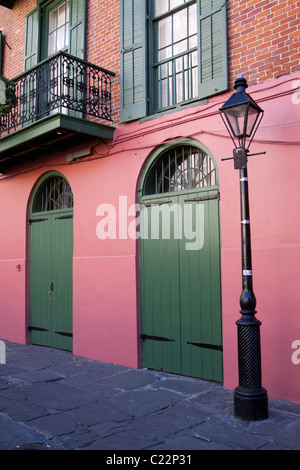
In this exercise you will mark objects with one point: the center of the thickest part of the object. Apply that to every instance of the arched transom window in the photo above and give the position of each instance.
(180, 168)
(54, 194)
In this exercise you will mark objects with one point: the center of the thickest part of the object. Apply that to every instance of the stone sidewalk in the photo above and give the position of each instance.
(54, 400)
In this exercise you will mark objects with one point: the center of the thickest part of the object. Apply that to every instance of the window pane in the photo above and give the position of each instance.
(176, 3)
(193, 41)
(58, 28)
(52, 43)
(54, 194)
(180, 47)
(180, 25)
(165, 53)
(194, 65)
(164, 32)
(161, 6)
(61, 15)
(181, 168)
(179, 84)
(52, 20)
(193, 19)
(177, 35)
(165, 84)
(61, 38)
(67, 35)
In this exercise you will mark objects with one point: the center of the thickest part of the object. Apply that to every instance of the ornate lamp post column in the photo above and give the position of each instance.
(242, 116)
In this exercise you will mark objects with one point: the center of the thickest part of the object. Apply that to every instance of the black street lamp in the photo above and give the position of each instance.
(242, 116)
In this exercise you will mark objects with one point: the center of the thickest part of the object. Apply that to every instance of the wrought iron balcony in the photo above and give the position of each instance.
(62, 84)
(62, 102)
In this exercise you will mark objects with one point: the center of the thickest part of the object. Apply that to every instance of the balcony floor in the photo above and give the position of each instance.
(54, 133)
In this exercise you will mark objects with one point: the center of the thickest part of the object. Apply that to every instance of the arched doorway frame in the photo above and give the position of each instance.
(212, 196)
(36, 218)
(168, 146)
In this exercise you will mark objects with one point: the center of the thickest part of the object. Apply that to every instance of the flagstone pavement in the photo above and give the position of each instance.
(54, 400)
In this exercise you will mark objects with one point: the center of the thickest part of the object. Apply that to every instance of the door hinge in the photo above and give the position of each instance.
(64, 333)
(156, 338)
(64, 217)
(203, 198)
(155, 203)
(36, 328)
(32, 221)
(206, 345)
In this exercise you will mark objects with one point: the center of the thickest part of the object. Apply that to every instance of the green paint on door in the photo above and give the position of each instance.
(50, 266)
(180, 282)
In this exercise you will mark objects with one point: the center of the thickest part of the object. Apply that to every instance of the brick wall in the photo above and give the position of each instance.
(12, 25)
(103, 43)
(263, 38)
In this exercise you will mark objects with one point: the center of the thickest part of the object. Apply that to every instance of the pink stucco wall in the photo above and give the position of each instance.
(105, 272)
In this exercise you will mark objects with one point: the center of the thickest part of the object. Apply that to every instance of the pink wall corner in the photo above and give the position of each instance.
(13, 267)
(105, 318)
(104, 269)
(277, 272)
(12, 318)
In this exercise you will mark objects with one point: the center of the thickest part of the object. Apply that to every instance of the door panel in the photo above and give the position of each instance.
(180, 285)
(200, 298)
(62, 253)
(39, 280)
(159, 295)
(50, 279)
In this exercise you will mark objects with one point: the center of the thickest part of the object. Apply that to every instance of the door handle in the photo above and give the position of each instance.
(51, 289)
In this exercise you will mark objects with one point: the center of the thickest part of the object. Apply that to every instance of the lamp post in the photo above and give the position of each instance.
(242, 116)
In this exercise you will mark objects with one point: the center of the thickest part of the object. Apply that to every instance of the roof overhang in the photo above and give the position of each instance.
(56, 133)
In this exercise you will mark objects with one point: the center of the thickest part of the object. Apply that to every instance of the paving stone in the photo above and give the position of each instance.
(223, 432)
(188, 443)
(54, 424)
(51, 397)
(100, 412)
(129, 380)
(140, 403)
(13, 434)
(56, 396)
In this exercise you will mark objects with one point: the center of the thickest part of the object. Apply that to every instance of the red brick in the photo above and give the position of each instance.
(263, 38)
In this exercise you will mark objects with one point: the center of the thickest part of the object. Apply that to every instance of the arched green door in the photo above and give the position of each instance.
(50, 264)
(180, 295)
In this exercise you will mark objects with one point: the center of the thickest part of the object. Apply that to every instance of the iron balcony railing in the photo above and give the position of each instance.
(60, 84)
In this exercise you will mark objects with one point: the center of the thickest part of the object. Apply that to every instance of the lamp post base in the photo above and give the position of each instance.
(251, 406)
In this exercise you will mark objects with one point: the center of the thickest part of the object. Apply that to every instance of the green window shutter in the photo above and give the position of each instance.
(212, 47)
(77, 28)
(133, 60)
(31, 39)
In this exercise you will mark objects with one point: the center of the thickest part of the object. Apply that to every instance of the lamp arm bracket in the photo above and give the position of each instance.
(248, 155)
(259, 153)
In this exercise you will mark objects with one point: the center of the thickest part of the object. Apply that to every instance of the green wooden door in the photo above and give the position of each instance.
(50, 271)
(180, 282)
